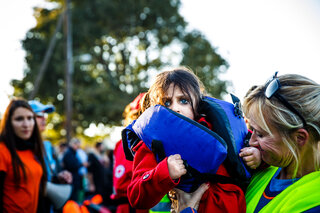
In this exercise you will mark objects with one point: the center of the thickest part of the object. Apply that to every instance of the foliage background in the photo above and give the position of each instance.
(118, 46)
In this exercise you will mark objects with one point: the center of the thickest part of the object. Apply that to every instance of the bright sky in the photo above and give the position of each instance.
(255, 37)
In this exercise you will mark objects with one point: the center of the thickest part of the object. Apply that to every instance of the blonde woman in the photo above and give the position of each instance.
(285, 117)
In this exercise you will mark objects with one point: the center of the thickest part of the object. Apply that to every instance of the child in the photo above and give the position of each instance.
(180, 90)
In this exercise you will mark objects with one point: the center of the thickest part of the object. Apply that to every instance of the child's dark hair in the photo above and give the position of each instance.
(181, 77)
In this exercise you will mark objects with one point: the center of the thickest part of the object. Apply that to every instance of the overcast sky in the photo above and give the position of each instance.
(256, 37)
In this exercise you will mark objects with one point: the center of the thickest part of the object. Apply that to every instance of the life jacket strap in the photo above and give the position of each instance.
(158, 150)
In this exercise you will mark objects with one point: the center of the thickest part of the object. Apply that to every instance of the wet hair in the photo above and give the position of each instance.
(304, 95)
(7, 136)
(181, 77)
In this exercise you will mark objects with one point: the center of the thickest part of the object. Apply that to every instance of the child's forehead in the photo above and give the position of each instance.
(175, 89)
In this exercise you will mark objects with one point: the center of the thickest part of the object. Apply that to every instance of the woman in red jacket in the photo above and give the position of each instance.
(122, 168)
(181, 91)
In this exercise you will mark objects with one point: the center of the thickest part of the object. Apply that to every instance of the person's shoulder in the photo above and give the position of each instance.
(118, 144)
(47, 143)
(140, 146)
(4, 151)
(3, 147)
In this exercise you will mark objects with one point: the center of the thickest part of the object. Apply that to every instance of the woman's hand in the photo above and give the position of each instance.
(184, 199)
(176, 166)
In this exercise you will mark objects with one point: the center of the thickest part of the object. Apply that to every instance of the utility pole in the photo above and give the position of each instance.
(69, 69)
(47, 57)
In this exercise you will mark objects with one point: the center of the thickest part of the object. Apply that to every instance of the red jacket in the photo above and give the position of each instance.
(122, 173)
(151, 181)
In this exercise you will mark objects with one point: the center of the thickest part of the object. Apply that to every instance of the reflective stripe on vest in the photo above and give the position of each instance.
(298, 197)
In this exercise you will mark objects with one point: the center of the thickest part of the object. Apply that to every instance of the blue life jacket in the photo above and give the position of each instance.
(166, 133)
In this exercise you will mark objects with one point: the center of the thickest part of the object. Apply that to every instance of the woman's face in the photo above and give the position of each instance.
(179, 102)
(273, 151)
(22, 121)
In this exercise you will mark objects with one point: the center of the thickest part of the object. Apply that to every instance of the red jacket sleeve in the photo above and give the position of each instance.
(150, 180)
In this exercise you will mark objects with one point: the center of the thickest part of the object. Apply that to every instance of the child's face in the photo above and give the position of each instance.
(179, 102)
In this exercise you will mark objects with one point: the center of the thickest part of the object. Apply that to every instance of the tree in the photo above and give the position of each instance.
(117, 46)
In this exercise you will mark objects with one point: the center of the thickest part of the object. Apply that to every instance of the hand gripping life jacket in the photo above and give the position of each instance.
(166, 133)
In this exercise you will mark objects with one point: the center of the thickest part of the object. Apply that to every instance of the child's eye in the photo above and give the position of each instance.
(184, 101)
(167, 103)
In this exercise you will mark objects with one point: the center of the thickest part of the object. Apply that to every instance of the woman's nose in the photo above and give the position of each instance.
(25, 123)
(253, 141)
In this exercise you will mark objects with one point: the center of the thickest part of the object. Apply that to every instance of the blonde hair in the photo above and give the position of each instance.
(130, 114)
(181, 77)
(133, 110)
(304, 95)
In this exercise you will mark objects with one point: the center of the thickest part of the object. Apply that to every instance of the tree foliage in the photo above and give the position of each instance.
(117, 46)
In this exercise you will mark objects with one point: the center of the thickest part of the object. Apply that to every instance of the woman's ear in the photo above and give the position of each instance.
(301, 136)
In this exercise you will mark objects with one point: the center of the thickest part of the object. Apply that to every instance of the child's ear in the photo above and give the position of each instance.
(301, 136)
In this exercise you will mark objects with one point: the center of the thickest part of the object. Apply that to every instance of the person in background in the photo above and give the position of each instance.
(98, 162)
(100, 174)
(61, 150)
(122, 168)
(53, 174)
(41, 111)
(83, 172)
(72, 164)
(285, 118)
(22, 168)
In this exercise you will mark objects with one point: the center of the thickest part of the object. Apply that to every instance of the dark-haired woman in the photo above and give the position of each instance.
(22, 168)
